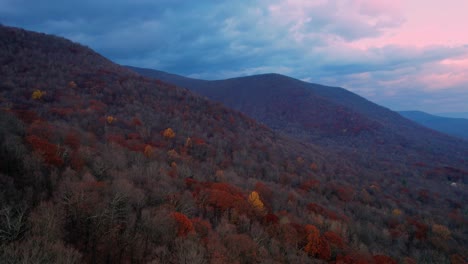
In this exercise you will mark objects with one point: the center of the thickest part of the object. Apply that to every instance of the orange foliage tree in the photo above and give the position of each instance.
(148, 151)
(168, 133)
(317, 245)
(313, 240)
(110, 119)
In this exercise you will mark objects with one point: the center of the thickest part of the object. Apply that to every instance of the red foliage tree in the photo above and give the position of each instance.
(77, 162)
(118, 139)
(72, 139)
(241, 247)
(97, 106)
(457, 259)
(50, 152)
(309, 185)
(408, 260)
(420, 229)
(202, 227)
(318, 209)
(313, 166)
(224, 197)
(26, 115)
(41, 129)
(133, 136)
(290, 235)
(344, 193)
(197, 141)
(136, 122)
(61, 111)
(270, 219)
(382, 259)
(265, 192)
(352, 259)
(324, 250)
(333, 239)
(315, 208)
(184, 225)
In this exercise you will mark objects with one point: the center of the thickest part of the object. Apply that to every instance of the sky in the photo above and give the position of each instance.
(402, 54)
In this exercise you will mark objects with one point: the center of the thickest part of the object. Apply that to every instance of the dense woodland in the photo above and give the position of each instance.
(101, 165)
(332, 117)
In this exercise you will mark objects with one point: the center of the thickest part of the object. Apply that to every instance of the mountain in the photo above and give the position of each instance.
(101, 165)
(454, 114)
(331, 117)
(457, 127)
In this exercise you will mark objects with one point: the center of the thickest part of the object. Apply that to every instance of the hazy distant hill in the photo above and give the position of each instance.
(457, 127)
(101, 165)
(453, 114)
(329, 116)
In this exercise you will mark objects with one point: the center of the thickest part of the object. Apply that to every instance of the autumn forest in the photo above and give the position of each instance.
(99, 164)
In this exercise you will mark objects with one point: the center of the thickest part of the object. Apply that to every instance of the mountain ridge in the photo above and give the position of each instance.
(328, 116)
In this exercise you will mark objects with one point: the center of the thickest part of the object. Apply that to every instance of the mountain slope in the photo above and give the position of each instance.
(116, 162)
(101, 165)
(331, 117)
(457, 127)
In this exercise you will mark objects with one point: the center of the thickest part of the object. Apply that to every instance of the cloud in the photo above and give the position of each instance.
(358, 44)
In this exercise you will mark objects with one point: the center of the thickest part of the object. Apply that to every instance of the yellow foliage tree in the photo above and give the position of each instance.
(37, 94)
(254, 200)
(169, 133)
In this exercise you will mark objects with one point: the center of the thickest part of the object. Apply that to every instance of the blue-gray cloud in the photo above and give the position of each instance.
(220, 39)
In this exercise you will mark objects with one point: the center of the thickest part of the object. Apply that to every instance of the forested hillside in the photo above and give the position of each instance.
(332, 117)
(101, 165)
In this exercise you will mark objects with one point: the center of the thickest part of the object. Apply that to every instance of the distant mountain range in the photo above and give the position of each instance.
(453, 114)
(457, 127)
(330, 117)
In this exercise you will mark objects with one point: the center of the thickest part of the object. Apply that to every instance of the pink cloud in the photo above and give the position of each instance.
(450, 73)
(372, 7)
(425, 23)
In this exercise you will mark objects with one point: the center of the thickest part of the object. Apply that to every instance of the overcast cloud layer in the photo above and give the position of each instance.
(404, 55)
